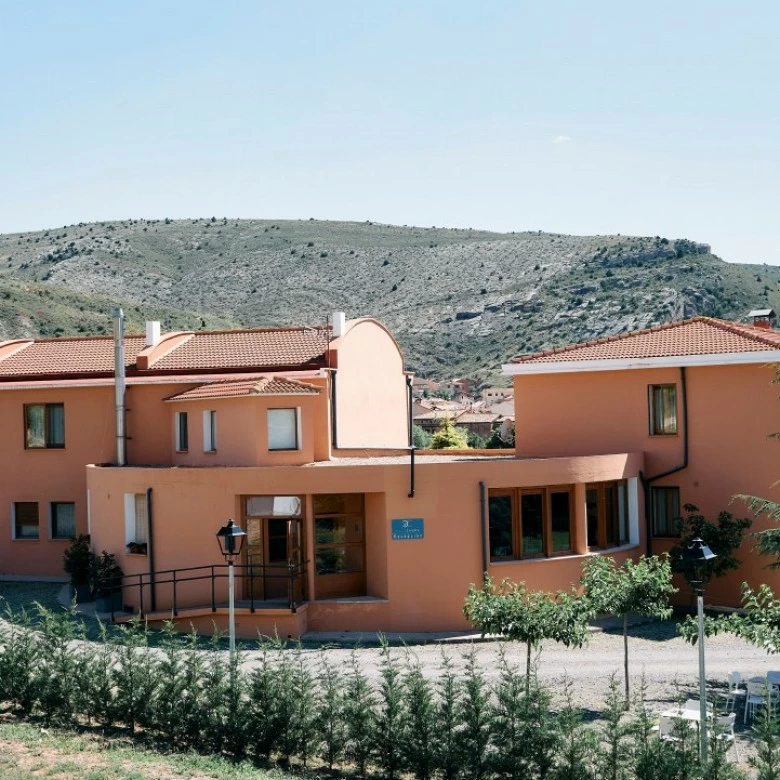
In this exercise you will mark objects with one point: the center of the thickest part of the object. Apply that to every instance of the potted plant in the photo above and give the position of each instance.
(107, 583)
(78, 563)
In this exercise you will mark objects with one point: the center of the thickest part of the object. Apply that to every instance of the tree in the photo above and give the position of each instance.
(723, 537)
(421, 439)
(475, 441)
(498, 442)
(513, 611)
(448, 437)
(641, 588)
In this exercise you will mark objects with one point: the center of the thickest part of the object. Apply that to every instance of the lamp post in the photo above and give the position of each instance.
(696, 560)
(231, 539)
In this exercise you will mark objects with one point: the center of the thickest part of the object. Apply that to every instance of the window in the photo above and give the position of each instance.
(63, 520)
(529, 522)
(210, 431)
(44, 426)
(663, 409)
(136, 523)
(606, 510)
(283, 429)
(665, 508)
(181, 432)
(338, 534)
(25, 521)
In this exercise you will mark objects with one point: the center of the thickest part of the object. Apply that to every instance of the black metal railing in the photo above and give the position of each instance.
(175, 589)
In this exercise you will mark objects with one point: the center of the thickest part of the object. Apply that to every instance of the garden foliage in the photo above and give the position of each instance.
(465, 723)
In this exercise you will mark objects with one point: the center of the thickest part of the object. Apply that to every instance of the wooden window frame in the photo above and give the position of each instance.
(181, 430)
(48, 445)
(516, 495)
(601, 487)
(654, 492)
(15, 527)
(655, 426)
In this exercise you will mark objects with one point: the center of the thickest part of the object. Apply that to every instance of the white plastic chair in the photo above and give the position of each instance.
(734, 691)
(755, 696)
(725, 731)
(692, 705)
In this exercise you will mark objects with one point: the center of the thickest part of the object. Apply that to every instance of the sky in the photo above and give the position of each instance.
(595, 117)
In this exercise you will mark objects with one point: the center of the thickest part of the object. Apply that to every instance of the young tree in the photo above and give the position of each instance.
(512, 611)
(723, 537)
(448, 437)
(641, 588)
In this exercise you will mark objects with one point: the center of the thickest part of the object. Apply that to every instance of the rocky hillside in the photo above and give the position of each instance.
(459, 301)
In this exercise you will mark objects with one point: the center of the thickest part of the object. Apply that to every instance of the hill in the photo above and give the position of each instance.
(459, 301)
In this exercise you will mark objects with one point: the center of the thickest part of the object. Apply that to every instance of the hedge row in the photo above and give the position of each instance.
(279, 706)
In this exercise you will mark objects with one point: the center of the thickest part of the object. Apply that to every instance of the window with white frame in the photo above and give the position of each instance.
(181, 431)
(283, 433)
(136, 522)
(62, 520)
(25, 520)
(209, 431)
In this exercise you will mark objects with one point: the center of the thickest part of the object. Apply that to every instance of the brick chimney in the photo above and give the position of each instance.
(762, 318)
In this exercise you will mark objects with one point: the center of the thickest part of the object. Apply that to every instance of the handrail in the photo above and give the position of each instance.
(292, 573)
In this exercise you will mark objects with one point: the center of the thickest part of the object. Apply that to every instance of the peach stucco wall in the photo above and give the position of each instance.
(731, 411)
(371, 394)
(415, 584)
(49, 475)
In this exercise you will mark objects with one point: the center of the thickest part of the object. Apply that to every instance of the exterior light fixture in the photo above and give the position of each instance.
(697, 560)
(231, 540)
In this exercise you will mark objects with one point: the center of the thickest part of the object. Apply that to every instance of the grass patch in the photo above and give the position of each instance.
(27, 750)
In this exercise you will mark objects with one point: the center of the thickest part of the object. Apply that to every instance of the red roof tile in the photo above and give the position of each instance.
(697, 336)
(250, 349)
(256, 348)
(69, 356)
(265, 386)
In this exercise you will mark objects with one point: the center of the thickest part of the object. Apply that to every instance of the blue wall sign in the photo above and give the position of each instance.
(408, 528)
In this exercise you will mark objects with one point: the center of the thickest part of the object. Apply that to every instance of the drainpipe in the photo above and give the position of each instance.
(483, 526)
(410, 408)
(119, 386)
(647, 481)
(333, 413)
(150, 550)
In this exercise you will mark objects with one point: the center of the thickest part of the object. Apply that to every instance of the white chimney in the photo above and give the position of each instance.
(152, 333)
(339, 322)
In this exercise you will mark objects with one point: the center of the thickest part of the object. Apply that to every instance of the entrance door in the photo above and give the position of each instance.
(274, 558)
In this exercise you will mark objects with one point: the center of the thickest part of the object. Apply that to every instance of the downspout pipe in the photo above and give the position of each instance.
(647, 481)
(410, 409)
(334, 436)
(483, 526)
(119, 386)
(150, 549)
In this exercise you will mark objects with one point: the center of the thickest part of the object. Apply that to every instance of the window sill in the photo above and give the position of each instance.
(36, 539)
(564, 556)
(664, 435)
(137, 555)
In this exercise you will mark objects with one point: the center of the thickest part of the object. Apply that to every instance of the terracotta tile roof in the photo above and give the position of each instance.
(476, 417)
(260, 349)
(436, 414)
(255, 348)
(697, 336)
(269, 385)
(69, 356)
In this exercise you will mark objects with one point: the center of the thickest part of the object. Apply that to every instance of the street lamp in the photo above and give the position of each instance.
(697, 561)
(231, 539)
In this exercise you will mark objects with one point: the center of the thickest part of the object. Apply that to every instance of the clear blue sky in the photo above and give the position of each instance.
(657, 118)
